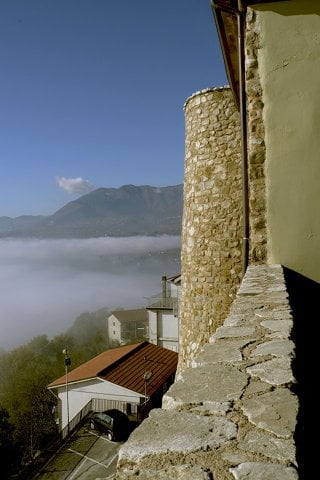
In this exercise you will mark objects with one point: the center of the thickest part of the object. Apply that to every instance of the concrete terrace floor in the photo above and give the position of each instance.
(86, 456)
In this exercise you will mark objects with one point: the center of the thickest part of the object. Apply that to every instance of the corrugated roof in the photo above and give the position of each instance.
(93, 367)
(161, 362)
(126, 367)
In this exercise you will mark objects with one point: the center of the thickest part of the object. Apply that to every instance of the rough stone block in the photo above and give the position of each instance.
(176, 432)
(229, 332)
(274, 411)
(281, 327)
(210, 385)
(263, 443)
(255, 386)
(263, 471)
(180, 472)
(276, 348)
(227, 351)
(276, 372)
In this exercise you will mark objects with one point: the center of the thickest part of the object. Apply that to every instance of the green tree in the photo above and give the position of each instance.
(27, 399)
(25, 372)
(8, 452)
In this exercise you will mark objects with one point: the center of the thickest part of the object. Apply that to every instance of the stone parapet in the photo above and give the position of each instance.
(231, 414)
(212, 217)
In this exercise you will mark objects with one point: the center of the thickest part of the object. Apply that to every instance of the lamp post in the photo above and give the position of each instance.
(67, 363)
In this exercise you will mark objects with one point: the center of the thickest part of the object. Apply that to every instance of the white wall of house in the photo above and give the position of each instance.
(114, 329)
(80, 393)
(164, 322)
(164, 329)
(170, 345)
(168, 326)
(173, 289)
(153, 332)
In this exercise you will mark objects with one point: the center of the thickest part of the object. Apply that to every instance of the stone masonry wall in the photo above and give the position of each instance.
(232, 414)
(256, 144)
(211, 230)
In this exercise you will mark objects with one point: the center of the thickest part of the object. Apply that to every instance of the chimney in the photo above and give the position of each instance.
(164, 290)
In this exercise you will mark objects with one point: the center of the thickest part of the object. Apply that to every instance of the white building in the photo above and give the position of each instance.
(127, 325)
(115, 379)
(163, 315)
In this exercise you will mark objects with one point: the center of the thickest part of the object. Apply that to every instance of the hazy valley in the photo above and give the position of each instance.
(46, 282)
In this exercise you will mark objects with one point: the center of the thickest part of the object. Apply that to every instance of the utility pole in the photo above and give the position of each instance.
(67, 363)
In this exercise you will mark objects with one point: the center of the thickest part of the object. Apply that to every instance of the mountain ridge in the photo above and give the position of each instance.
(124, 211)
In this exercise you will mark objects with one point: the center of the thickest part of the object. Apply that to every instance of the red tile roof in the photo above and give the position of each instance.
(126, 367)
(93, 367)
(139, 314)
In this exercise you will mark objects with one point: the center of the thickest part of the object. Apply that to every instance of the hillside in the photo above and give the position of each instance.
(125, 211)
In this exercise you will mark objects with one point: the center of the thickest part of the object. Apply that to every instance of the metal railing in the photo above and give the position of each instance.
(171, 303)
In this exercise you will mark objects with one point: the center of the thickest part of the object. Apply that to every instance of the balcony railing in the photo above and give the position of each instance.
(169, 303)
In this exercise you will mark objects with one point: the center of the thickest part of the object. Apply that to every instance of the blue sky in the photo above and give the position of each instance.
(92, 94)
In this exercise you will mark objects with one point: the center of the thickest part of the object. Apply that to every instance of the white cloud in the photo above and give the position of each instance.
(76, 185)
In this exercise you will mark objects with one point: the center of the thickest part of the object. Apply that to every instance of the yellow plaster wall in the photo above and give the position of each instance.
(289, 69)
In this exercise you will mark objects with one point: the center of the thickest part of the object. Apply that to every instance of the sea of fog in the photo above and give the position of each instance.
(46, 284)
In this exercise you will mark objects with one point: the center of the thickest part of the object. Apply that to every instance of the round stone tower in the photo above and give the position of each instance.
(212, 217)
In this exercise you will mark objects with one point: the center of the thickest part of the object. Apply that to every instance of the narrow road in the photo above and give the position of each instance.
(87, 456)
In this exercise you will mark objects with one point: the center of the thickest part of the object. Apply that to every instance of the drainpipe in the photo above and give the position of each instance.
(244, 134)
(239, 12)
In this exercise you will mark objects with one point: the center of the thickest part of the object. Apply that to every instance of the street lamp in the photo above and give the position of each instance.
(67, 363)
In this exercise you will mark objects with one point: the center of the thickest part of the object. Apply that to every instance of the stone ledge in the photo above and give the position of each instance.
(261, 471)
(180, 472)
(232, 414)
(205, 90)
